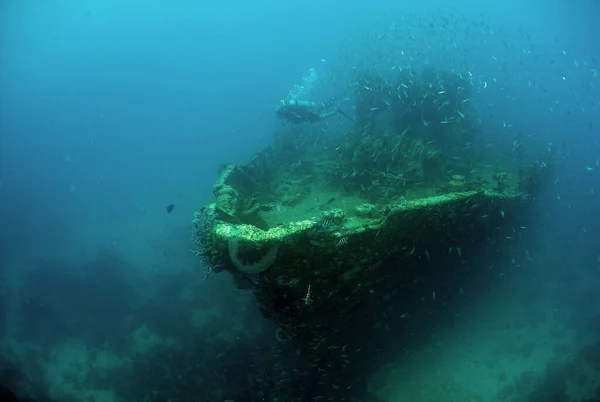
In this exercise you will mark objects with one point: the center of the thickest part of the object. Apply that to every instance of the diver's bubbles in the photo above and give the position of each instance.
(304, 89)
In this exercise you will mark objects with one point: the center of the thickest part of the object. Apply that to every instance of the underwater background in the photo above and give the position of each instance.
(113, 111)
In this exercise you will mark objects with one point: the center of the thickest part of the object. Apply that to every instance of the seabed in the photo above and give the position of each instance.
(351, 233)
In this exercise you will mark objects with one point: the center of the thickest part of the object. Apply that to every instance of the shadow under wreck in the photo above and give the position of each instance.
(345, 237)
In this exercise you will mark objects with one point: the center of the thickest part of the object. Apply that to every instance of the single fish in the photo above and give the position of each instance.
(170, 208)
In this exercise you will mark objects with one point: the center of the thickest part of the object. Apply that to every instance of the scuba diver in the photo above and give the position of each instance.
(300, 111)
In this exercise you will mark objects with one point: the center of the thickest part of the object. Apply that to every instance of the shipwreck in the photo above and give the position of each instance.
(347, 232)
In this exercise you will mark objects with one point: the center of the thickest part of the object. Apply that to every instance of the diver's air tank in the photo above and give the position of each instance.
(303, 104)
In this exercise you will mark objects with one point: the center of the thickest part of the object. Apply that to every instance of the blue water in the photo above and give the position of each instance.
(112, 110)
